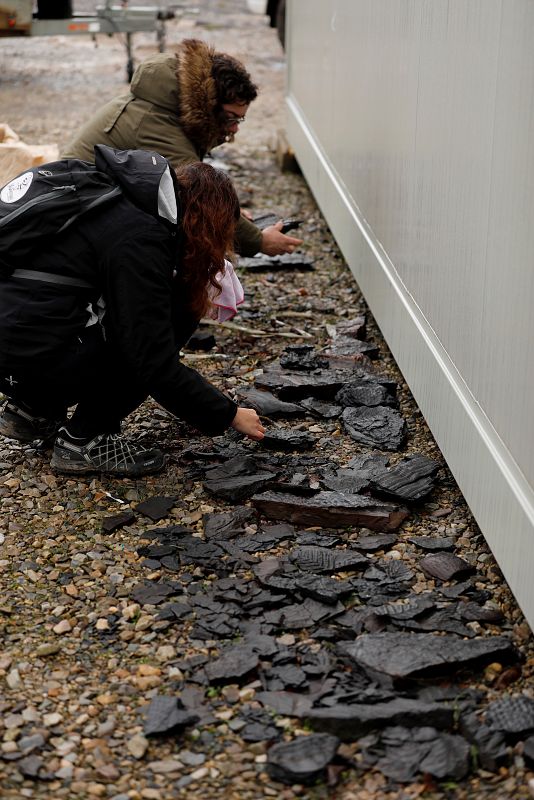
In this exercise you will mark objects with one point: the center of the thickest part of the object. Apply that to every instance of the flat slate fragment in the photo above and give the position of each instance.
(302, 357)
(403, 754)
(286, 262)
(238, 478)
(347, 347)
(511, 715)
(372, 542)
(303, 760)
(267, 405)
(234, 665)
(320, 408)
(156, 507)
(322, 384)
(432, 543)
(410, 479)
(227, 524)
(287, 440)
(117, 521)
(323, 559)
(445, 566)
(393, 657)
(349, 722)
(323, 588)
(331, 509)
(379, 427)
(364, 392)
(166, 715)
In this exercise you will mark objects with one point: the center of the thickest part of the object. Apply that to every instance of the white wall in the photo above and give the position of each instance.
(413, 122)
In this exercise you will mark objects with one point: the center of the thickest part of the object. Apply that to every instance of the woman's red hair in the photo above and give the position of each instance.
(210, 211)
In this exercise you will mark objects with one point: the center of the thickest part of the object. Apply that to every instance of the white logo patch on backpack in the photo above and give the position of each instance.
(17, 188)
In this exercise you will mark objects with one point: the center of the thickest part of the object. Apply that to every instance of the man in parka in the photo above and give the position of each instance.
(181, 106)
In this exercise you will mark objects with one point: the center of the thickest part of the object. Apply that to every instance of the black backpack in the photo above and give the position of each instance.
(43, 201)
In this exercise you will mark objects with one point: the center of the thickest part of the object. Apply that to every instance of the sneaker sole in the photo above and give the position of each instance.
(70, 468)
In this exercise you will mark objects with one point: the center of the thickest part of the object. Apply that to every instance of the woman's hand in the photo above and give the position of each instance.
(246, 421)
(276, 243)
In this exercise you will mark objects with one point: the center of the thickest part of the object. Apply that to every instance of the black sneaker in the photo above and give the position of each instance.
(110, 453)
(16, 423)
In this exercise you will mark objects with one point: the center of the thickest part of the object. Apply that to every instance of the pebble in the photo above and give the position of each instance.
(52, 719)
(137, 745)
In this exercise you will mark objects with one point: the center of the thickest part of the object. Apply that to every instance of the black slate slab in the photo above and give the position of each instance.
(364, 392)
(349, 722)
(331, 509)
(511, 715)
(238, 478)
(166, 715)
(302, 357)
(392, 658)
(285, 263)
(322, 384)
(156, 507)
(323, 559)
(235, 665)
(320, 408)
(403, 754)
(267, 405)
(287, 440)
(445, 566)
(409, 480)
(116, 521)
(303, 760)
(227, 524)
(379, 427)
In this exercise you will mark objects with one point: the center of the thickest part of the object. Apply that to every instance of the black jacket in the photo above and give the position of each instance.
(130, 255)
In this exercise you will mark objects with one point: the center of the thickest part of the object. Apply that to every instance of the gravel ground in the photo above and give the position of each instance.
(80, 658)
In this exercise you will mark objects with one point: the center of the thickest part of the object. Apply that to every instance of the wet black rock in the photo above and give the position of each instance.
(285, 263)
(331, 509)
(349, 722)
(270, 537)
(376, 427)
(117, 521)
(392, 658)
(303, 760)
(166, 715)
(409, 480)
(320, 408)
(156, 507)
(445, 566)
(287, 440)
(267, 405)
(238, 478)
(365, 392)
(403, 754)
(228, 524)
(303, 615)
(511, 715)
(346, 481)
(322, 559)
(302, 357)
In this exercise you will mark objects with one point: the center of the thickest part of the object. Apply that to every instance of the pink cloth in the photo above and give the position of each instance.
(225, 302)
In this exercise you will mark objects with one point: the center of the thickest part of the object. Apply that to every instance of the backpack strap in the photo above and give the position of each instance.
(49, 277)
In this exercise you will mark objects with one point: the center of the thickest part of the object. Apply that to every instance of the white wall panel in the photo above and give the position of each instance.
(413, 121)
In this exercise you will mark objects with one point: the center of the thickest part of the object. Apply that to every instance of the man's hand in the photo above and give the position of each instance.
(246, 421)
(276, 243)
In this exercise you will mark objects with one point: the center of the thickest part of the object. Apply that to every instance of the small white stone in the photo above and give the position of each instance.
(13, 679)
(52, 719)
(137, 745)
(63, 626)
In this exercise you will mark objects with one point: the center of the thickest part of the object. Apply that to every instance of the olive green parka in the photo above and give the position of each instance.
(171, 108)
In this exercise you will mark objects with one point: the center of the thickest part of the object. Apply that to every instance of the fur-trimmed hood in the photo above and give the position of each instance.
(183, 84)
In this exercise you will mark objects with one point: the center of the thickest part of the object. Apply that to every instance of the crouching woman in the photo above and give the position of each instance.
(98, 318)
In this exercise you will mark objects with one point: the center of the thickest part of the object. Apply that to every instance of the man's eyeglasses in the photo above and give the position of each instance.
(231, 119)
